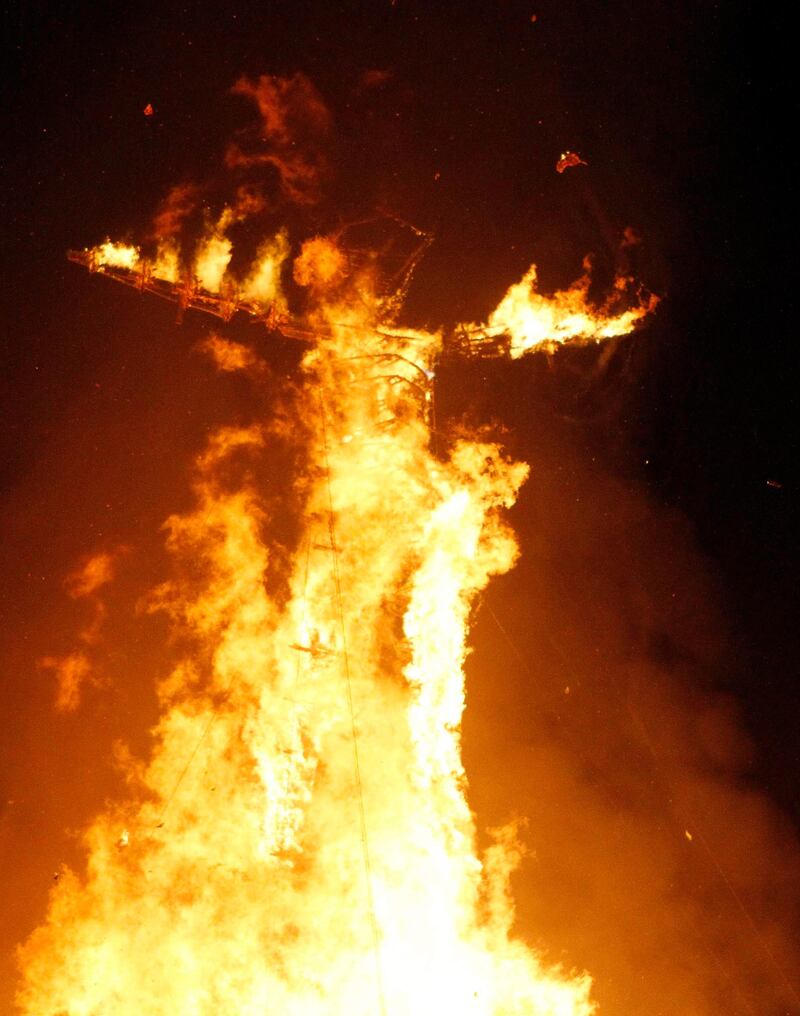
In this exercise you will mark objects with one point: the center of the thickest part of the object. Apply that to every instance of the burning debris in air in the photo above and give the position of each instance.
(569, 159)
(300, 841)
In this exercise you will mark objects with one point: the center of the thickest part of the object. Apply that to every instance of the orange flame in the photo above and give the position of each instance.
(76, 669)
(301, 842)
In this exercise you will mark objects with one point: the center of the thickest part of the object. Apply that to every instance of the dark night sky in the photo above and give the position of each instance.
(685, 123)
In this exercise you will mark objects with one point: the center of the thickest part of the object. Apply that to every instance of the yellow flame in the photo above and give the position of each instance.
(166, 264)
(301, 843)
(116, 255)
(213, 255)
(534, 321)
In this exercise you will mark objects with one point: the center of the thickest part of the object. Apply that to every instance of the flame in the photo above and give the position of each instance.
(71, 672)
(95, 572)
(76, 669)
(117, 255)
(231, 356)
(301, 841)
(166, 265)
(263, 284)
(260, 292)
(534, 321)
(319, 264)
(213, 255)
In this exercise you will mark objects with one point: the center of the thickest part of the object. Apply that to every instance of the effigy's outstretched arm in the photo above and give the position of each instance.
(524, 320)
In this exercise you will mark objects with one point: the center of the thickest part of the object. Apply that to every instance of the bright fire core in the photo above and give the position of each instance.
(299, 842)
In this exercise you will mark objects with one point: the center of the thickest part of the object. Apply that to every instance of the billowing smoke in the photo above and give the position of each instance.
(655, 860)
(290, 139)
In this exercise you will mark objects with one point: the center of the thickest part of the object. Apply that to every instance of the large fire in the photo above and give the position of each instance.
(300, 840)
